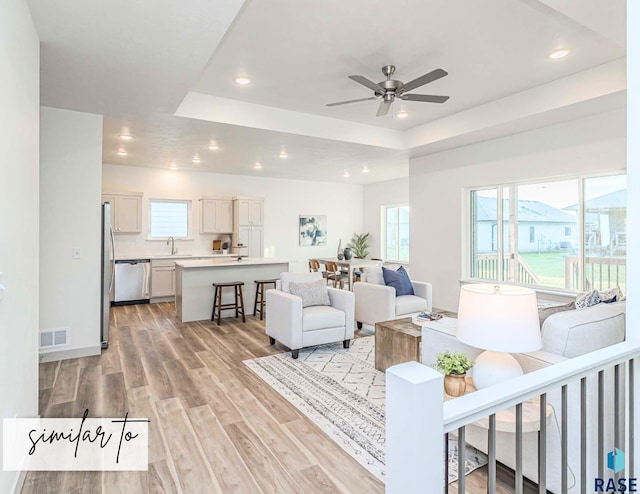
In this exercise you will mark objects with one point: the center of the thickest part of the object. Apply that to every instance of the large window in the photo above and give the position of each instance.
(168, 218)
(568, 234)
(395, 235)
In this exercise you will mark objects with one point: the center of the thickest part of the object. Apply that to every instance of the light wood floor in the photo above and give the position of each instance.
(215, 426)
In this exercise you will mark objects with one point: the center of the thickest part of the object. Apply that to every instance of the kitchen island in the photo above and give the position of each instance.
(194, 278)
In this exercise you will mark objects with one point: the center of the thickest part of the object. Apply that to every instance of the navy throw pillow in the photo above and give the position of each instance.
(399, 280)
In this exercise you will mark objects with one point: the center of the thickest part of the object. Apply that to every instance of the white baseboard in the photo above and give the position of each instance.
(87, 351)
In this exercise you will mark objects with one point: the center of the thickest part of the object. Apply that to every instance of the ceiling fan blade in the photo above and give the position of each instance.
(426, 98)
(366, 82)
(434, 75)
(383, 109)
(351, 101)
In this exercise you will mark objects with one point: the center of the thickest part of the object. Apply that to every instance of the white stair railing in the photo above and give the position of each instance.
(418, 420)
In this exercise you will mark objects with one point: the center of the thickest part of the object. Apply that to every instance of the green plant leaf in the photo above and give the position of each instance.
(452, 363)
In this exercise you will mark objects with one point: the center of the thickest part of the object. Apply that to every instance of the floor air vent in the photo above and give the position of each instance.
(52, 338)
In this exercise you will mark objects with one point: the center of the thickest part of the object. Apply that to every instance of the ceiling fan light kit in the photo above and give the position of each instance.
(390, 89)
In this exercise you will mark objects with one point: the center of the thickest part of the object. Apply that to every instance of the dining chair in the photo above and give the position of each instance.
(334, 274)
(314, 267)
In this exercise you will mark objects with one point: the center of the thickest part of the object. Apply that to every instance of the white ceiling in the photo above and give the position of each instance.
(299, 54)
(140, 62)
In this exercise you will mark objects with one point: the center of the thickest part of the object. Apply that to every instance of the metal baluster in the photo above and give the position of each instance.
(519, 448)
(462, 459)
(491, 467)
(542, 446)
(632, 427)
(616, 412)
(563, 445)
(446, 463)
(600, 423)
(583, 435)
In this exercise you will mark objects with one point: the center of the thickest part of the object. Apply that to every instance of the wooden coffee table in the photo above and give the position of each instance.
(397, 342)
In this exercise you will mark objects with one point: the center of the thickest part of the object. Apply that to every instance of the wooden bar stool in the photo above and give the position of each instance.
(260, 290)
(238, 304)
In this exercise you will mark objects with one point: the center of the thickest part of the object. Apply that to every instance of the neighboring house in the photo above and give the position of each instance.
(541, 227)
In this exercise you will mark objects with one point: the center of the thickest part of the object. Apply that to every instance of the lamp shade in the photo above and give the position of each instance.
(500, 318)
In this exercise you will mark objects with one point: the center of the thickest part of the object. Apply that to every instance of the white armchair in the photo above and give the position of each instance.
(375, 303)
(297, 327)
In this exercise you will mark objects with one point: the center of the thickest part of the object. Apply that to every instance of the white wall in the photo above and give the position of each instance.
(438, 182)
(70, 217)
(377, 195)
(284, 201)
(19, 120)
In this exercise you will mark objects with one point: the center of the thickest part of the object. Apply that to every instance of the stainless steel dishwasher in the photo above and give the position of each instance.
(132, 281)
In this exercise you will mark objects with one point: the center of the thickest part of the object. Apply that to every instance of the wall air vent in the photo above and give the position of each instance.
(53, 338)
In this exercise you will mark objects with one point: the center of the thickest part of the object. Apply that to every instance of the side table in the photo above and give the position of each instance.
(397, 342)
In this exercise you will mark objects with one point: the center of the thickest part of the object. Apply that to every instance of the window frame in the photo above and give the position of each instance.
(188, 202)
(468, 236)
(383, 232)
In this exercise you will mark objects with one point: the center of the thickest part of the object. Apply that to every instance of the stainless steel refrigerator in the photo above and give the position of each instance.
(107, 272)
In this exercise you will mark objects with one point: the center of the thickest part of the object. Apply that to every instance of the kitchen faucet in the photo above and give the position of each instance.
(174, 251)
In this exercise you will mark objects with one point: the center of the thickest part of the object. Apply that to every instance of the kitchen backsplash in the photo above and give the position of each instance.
(134, 244)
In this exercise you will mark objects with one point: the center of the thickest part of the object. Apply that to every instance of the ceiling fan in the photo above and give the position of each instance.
(390, 89)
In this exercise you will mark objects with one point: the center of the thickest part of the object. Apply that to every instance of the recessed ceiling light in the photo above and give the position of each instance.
(173, 167)
(196, 159)
(402, 114)
(213, 147)
(283, 154)
(346, 174)
(242, 81)
(257, 166)
(558, 54)
(126, 137)
(365, 169)
(121, 152)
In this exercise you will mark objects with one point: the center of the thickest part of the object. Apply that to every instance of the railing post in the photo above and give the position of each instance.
(414, 429)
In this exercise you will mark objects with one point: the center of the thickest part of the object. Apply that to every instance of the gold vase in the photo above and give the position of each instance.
(455, 384)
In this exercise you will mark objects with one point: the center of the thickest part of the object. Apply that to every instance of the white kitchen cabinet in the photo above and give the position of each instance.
(126, 211)
(256, 242)
(216, 215)
(163, 276)
(163, 281)
(248, 218)
(250, 211)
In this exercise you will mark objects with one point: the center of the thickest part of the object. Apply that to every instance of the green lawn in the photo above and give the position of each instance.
(548, 266)
(550, 269)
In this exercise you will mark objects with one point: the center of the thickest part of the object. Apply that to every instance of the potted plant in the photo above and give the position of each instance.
(454, 366)
(359, 245)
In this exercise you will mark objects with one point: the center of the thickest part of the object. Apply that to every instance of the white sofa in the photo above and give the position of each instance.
(377, 302)
(297, 327)
(564, 335)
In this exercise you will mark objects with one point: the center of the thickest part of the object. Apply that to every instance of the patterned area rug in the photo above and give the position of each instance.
(342, 392)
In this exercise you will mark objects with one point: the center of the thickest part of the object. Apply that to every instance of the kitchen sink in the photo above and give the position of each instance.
(179, 254)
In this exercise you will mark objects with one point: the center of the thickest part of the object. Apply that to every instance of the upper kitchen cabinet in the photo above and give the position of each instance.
(250, 211)
(126, 211)
(216, 215)
(248, 219)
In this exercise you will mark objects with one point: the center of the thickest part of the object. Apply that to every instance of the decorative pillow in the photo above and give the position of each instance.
(595, 297)
(545, 312)
(399, 280)
(374, 275)
(314, 293)
(588, 299)
(611, 295)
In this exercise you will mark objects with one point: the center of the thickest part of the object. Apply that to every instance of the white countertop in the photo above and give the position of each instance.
(246, 261)
(178, 256)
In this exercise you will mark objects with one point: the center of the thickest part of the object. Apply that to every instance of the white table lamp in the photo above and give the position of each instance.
(498, 319)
